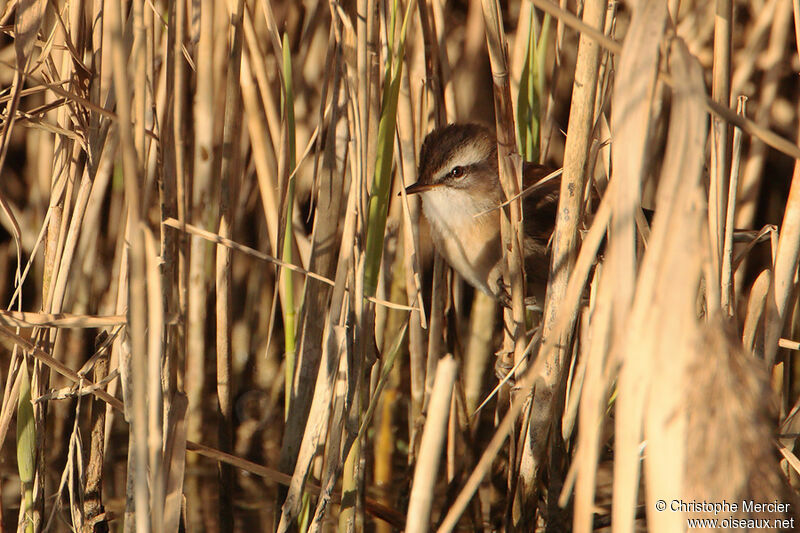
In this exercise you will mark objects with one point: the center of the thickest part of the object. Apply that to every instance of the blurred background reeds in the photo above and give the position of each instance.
(222, 313)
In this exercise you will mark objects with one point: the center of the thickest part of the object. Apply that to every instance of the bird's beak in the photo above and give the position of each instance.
(420, 187)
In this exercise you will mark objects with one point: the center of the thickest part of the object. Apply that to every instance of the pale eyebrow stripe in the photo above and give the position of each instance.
(467, 156)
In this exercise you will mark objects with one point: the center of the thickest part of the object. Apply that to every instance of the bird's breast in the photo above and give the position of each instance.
(466, 236)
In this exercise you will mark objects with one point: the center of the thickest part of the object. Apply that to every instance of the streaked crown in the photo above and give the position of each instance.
(457, 151)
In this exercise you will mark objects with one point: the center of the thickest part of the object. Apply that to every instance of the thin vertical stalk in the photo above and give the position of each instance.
(199, 212)
(509, 164)
(785, 267)
(153, 377)
(228, 179)
(379, 196)
(137, 311)
(433, 439)
(565, 245)
(411, 221)
(510, 169)
(720, 151)
(726, 278)
(289, 312)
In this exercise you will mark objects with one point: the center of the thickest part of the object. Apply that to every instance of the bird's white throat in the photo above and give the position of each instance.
(465, 234)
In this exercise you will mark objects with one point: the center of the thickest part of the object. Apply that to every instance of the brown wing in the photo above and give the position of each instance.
(539, 206)
(539, 217)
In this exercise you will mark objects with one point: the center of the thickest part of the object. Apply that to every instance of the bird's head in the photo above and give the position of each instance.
(459, 157)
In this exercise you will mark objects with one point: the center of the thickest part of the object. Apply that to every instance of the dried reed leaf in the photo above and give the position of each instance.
(755, 313)
(632, 103)
(26, 446)
(26, 27)
(175, 447)
(664, 327)
(316, 426)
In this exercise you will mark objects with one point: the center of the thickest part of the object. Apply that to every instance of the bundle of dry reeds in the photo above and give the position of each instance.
(222, 316)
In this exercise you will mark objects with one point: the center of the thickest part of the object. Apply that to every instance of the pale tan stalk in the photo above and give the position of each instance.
(785, 267)
(479, 348)
(260, 71)
(411, 219)
(93, 505)
(433, 95)
(728, 297)
(509, 164)
(436, 327)
(592, 407)
(154, 379)
(430, 450)
(137, 311)
(451, 111)
(179, 148)
(264, 158)
(200, 214)
(229, 180)
(720, 147)
(565, 244)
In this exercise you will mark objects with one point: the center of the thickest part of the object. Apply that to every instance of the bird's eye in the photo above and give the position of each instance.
(457, 172)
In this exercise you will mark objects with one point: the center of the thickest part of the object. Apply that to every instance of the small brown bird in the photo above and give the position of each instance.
(459, 183)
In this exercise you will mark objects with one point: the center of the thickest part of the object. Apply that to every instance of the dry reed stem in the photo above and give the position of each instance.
(510, 168)
(593, 400)
(21, 319)
(93, 505)
(785, 267)
(408, 140)
(199, 212)
(565, 244)
(175, 446)
(430, 450)
(151, 372)
(727, 292)
(720, 145)
(231, 168)
(136, 310)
